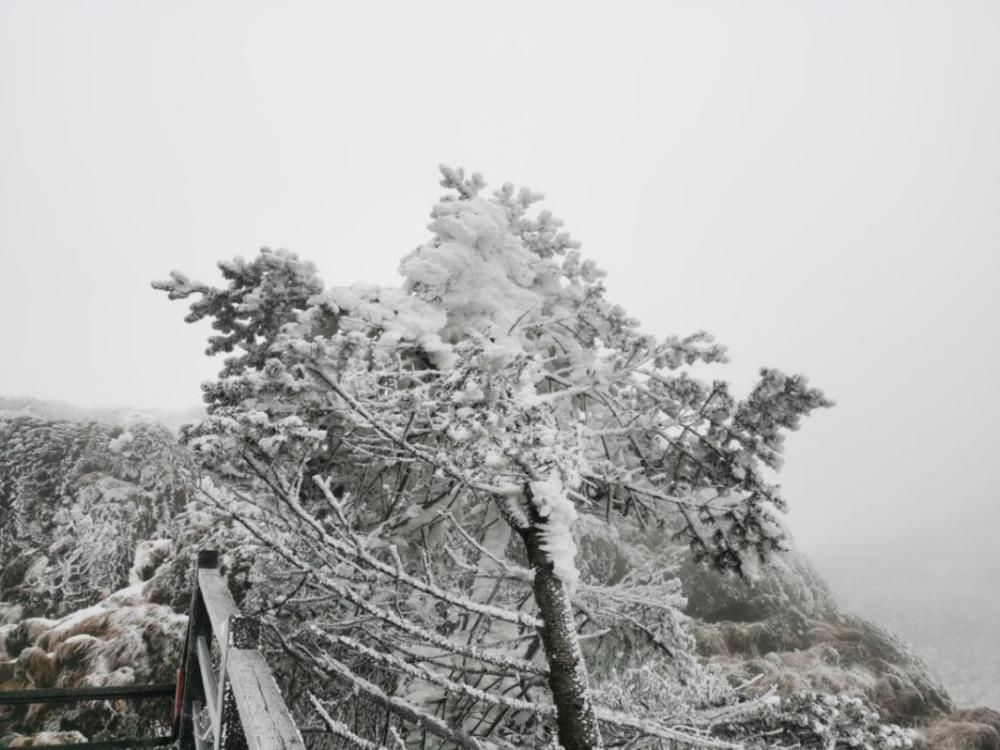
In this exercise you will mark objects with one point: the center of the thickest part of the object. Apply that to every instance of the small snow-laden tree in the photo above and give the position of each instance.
(466, 483)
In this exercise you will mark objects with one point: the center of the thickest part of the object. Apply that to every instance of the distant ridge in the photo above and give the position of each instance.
(117, 416)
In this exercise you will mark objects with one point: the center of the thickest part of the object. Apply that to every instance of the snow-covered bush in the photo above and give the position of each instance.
(73, 509)
(821, 720)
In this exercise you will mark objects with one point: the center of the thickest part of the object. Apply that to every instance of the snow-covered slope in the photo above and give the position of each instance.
(96, 534)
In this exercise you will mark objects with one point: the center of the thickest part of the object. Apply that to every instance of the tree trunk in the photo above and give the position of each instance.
(577, 721)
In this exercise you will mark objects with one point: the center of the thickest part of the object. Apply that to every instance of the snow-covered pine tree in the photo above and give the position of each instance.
(463, 483)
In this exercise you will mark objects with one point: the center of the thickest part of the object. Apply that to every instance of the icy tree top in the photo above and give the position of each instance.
(500, 367)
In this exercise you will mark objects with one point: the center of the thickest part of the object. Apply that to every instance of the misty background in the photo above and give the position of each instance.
(815, 183)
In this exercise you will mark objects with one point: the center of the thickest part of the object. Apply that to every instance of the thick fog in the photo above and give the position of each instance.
(815, 183)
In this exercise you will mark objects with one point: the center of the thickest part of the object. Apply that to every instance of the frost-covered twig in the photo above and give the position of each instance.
(399, 575)
(512, 571)
(421, 672)
(444, 466)
(344, 591)
(399, 706)
(657, 729)
(340, 729)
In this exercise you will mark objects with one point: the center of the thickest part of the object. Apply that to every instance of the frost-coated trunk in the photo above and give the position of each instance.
(578, 728)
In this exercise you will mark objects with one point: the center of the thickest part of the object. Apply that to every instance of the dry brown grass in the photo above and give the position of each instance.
(952, 734)
(124, 640)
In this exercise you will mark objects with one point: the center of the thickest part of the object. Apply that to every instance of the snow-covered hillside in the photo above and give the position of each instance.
(73, 614)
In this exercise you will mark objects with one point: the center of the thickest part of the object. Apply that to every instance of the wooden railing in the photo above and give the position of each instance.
(237, 692)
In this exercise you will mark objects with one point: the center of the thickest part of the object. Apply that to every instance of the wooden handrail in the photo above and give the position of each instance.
(242, 700)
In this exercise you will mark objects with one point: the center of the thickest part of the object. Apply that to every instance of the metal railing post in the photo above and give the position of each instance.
(199, 625)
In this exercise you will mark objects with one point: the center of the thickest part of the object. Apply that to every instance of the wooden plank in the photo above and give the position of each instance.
(207, 678)
(267, 722)
(218, 601)
(222, 698)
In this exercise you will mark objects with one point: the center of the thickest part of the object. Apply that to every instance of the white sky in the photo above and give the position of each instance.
(815, 183)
